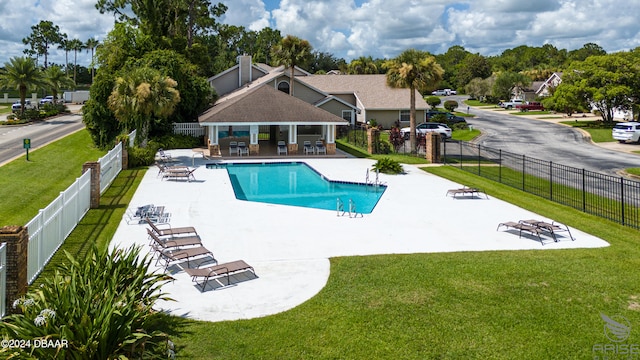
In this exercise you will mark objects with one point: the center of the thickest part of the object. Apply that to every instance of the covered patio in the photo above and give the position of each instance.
(263, 116)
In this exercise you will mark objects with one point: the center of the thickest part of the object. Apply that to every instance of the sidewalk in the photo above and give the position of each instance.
(560, 118)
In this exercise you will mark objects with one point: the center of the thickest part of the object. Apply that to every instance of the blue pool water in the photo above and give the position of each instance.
(297, 184)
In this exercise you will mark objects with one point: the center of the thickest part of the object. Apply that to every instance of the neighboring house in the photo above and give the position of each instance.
(546, 88)
(318, 105)
(528, 93)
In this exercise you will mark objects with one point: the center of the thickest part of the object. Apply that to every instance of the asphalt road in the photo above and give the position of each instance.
(547, 141)
(40, 133)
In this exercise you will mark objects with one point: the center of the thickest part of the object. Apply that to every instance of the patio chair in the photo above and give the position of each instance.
(185, 173)
(282, 148)
(233, 148)
(215, 272)
(162, 168)
(159, 244)
(242, 148)
(533, 230)
(164, 156)
(176, 255)
(308, 148)
(160, 231)
(320, 148)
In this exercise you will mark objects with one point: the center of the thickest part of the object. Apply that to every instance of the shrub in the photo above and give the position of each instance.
(388, 166)
(433, 101)
(95, 308)
(395, 138)
(141, 156)
(450, 105)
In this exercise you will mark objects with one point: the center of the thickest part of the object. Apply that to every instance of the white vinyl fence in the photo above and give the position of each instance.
(52, 225)
(3, 279)
(110, 167)
(191, 129)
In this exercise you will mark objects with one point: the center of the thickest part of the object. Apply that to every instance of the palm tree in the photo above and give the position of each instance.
(363, 65)
(55, 80)
(140, 95)
(416, 70)
(22, 74)
(64, 45)
(291, 51)
(75, 45)
(91, 44)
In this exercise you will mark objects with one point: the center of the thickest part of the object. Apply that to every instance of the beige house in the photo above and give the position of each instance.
(254, 103)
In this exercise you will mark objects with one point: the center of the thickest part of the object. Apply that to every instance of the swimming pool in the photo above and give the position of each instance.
(297, 184)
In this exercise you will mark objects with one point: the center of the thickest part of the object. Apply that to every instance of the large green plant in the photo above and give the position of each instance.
(95, 308)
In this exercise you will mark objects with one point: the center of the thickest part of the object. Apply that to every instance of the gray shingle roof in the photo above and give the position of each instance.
(372, 90)
(265, 104)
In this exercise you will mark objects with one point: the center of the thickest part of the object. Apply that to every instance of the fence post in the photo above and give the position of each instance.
(95, 182)
(622, 200)
(524, 158)
(17, 239)
(500, 166)
(125, 154)
(551, 180)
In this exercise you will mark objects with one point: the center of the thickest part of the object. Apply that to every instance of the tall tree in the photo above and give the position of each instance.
(75, 45)
(64, 45)
(362, 65)
(140, 96)
(507, 81)
(91, 45)
(55, 79)
(43, 35)
(416, 70)
(291, 52)
(22, 74)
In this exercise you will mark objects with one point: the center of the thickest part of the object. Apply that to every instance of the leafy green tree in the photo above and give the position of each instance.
(472, 66)
(450, 62)
(433, 101)
(362, 65)
(22, 74)
(141, 95)
(324, 62)
(479, 88)
(55, 79)
(96, 115)
(266, 39)
(416, 70)
(450, 105)
(588, 49)
(506, 82)
(291, 52)
(42, 37)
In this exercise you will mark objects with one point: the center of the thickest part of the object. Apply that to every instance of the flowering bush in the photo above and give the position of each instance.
(96, 308)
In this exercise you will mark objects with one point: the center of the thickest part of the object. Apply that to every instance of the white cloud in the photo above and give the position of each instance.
(377, 28)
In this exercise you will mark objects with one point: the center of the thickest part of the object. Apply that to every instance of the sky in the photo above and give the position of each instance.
(379, 28)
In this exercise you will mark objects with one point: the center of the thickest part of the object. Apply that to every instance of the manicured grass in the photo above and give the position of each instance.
(492, 305)
(633, 171)
(5, 109)
(28, 186)
(599, 131)
(465, 135)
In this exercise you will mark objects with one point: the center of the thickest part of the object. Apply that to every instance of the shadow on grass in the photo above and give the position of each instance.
(98, 225)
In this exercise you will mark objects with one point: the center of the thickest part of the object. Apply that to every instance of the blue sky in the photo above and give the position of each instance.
(378, 28)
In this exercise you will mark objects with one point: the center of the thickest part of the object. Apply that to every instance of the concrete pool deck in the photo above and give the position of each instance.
(289, 247)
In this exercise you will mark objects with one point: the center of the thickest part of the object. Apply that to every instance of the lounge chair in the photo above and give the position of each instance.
(282, 148)
(215, 272)
(164, 168)
(552, 228)
(233, 148)
(242, 148)
(464, 191)
(533, 230)
(185, 173)
(174, 255)
(160, 244)
(320, 148)
(185, 230)
(145, 213)
(308, 148)
(164, 156)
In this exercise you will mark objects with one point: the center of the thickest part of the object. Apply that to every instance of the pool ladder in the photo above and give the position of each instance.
(340, 211)
(375, 183)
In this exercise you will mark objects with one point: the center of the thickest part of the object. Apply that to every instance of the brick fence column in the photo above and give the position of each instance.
(432, 147)
(125, 154)
(17, 239)
(95, 182)
(372, 136)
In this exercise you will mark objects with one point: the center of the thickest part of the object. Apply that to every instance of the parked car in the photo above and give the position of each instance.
(47, 100)
(626, 131)
(27, 105)
(427, 127)
(439, 93)
(530, 106)
(451, 119)
(511, 103)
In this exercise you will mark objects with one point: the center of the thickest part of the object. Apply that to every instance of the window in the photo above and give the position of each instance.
(283, 86)
(347, 115)
(404, 115)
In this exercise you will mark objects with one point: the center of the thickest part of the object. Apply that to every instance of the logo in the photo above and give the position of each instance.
(616, 328)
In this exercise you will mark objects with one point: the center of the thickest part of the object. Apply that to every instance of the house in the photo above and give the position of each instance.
(320, 103)
(547, 87)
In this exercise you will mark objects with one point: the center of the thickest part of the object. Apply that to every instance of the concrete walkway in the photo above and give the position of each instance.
(290, 246)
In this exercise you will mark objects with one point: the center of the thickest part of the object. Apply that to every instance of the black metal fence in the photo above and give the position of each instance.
(357, 136)
(611, 197)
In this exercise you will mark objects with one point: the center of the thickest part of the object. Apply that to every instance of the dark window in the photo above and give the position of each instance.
(283, 86)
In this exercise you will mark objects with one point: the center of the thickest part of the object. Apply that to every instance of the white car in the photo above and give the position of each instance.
(442, 129)
(46, 100)
(627, 131)
(27, 105)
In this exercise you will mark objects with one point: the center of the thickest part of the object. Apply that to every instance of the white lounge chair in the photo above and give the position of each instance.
(242, 148)
(233, 148)
(320, 148)
(308, 148)
(282, 148)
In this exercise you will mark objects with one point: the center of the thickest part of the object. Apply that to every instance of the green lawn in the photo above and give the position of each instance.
(490, 305)
(5, 109)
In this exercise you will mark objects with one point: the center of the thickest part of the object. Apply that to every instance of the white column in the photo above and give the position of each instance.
(213, 134)
(253, 134)
(330, 137)
(293, 134)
